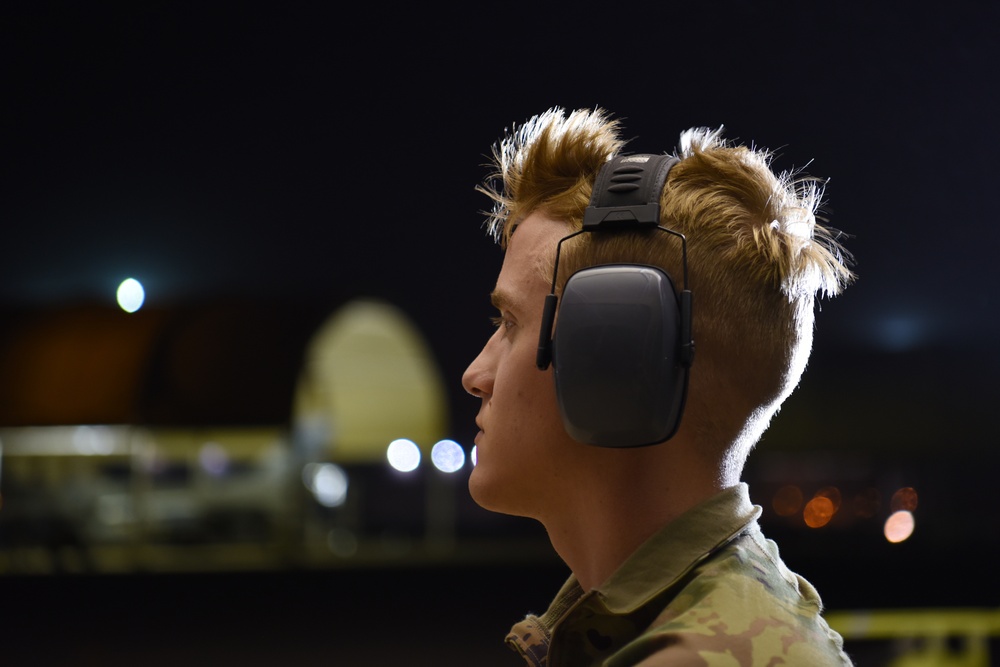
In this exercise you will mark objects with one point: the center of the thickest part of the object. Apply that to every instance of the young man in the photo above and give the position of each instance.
(668, 564)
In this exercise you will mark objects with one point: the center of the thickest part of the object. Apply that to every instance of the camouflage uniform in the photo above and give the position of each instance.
(708, 589)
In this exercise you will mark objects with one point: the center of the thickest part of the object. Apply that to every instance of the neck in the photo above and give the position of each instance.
(626, 500)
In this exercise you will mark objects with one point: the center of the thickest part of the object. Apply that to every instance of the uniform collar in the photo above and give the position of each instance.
(654, 567)
(669, 554)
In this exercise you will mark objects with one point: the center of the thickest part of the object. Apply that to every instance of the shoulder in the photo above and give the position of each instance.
(742, 604)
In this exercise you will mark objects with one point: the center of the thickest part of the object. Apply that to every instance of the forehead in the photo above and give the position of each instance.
(526, 273)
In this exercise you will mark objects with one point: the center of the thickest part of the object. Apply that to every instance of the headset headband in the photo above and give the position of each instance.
(627, 193)
(626, 196)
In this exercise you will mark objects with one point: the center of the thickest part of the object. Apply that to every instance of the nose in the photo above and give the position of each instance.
(478, 377)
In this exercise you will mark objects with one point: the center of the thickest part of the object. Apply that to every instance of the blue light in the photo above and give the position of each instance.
(448, 456)
(131, 295)
(901, 332)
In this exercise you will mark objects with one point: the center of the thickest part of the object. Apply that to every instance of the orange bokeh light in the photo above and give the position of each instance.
(818, 512)
(831, 492)
(904, 499)
(787, 500)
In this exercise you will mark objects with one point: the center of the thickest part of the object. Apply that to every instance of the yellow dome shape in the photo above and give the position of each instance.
(368, 378)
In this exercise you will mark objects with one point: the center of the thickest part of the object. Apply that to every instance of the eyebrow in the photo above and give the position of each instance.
(501, 300)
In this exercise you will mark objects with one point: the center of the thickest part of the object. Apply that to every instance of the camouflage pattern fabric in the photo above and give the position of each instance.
(708, 590)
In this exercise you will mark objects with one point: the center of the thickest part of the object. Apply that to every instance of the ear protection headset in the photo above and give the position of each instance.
(622, 346)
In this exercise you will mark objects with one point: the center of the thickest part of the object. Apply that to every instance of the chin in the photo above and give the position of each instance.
(493, 494)
(479, 488)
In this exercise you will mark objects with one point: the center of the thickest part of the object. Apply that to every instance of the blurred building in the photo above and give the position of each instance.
(227, 436)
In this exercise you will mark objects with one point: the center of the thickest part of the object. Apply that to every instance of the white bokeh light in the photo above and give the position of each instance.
(448, 456)
(90, 440)
(403, 455)
(213, 459)
(328, 483)
(899, 526)
(131, 295)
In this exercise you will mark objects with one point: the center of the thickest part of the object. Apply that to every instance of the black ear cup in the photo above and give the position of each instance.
(618, 373)
(622, 347)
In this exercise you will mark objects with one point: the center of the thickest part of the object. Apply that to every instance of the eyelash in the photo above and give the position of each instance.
(501, 322)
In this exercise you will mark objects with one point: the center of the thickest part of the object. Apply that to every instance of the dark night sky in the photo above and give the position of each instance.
(220, 150)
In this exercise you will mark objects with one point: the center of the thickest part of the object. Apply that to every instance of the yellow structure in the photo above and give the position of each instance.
(926, 637)
(368, 378)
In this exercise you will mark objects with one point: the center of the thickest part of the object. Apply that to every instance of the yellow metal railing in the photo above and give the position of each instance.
(937, 637)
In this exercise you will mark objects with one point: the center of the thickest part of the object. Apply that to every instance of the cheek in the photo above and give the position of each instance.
(533, 406)
(523, 404)
(522, 382)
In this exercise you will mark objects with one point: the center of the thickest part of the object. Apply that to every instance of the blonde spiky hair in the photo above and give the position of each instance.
(548, 163)
(757, 256)
(771, 218)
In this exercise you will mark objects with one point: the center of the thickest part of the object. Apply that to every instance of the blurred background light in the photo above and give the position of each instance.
(900, 332)
(833, 494)
(91, 440)
(328, 482)
(131, 295)
(899, 526)
(213, 459)
(448, 456)
(818, 511)
(787, 500)
(904, 499)
(403, 455)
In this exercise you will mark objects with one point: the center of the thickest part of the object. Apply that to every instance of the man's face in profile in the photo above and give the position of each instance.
(522, 447)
